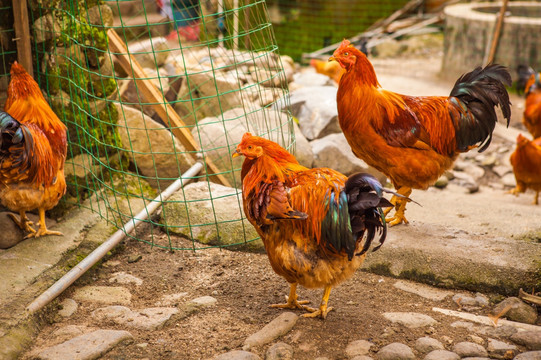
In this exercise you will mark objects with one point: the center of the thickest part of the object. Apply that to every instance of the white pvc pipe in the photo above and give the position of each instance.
(76, 272)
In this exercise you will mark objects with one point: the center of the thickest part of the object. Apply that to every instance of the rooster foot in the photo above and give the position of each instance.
(23, 222)
(295, 304)
(321, 312)
(396, 220)
(43, 232)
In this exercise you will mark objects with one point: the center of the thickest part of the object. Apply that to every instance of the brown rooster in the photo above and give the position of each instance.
(532, 109)
(331, 69)
(316, 224)
(526, 161)
(413, 139)
(33, 148)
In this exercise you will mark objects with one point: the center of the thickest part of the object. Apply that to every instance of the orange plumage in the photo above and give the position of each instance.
(532, 109)
(332, 69)
(316, 224)
(33, 147)
(526, 161)
(414, 139)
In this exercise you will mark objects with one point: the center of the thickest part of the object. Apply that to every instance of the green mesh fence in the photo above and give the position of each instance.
(214, 72)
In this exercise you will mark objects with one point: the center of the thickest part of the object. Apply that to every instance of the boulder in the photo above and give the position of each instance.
(316, 110)
(191, 213)
(100, 15)
(155, 151)
(47, 27)
(333, 151)
(517, 310)
(151, 53)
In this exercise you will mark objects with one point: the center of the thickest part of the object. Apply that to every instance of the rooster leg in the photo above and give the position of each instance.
(292, 302)
(392, 201)
(536, 198)
(323, 309)
(42, 227)
(400, 206)
(23, 222)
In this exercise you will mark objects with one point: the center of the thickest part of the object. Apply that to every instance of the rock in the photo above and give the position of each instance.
(68, 307)
(395, 351)
(207, 94)
(489, 161)
(68, 332)
(273, 330)
(427, 344)
(216, 222)
(303, 151)
(310, 78)
(467, 300)
(358, 347)
(518, 311)
(46, 27)
(442, 182)
(271, 78)
(171, 299)
(362, 357)
(100, 15)
(220, 136)
(279, 351)
(476, 339)
(204, 301)
(410, 319)
(237, 355)
(423, 291)
(482, 300)
(103, 294)
(500, 348)
(11, 234)
(333, 151)
(81, 167)
(86, 347)
(509, 180)
(531, 340)
(134, 258)
(158, 155)
(146, 319)
(124, 278)
(441, 355)
(150, 53)
(465, 349)
(315, 108)
(530, 355)
(502, 170)
(476, 172)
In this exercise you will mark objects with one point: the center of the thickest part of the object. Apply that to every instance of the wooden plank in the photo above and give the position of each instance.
(496, 35)
(163, 109)
(22, 35)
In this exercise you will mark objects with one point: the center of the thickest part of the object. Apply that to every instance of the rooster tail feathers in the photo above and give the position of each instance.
(15, 141)
(475, 95)
(365, 200)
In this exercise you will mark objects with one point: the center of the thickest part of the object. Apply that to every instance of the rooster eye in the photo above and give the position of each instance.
(346, 53)
(250, 147)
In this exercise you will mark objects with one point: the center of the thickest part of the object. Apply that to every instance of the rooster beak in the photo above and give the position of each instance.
(332, 58)
(235, 154)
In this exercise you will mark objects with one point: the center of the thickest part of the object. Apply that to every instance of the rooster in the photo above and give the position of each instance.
(532, 109)
(331, 69)
(317, 225)
(413, 140)
(526, 161)
(33, 146)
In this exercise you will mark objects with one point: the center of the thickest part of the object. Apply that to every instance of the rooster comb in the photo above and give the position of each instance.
(345, 43)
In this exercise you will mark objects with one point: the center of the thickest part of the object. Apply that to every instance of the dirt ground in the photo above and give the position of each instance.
(244, 285)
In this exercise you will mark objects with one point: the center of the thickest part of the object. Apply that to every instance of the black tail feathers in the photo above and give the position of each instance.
(10, 133)
(480, 91)
(365, 200)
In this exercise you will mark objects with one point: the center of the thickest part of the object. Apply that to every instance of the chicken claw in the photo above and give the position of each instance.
(42, 231)
(323, 309)
(23, 222)
(292, 302)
